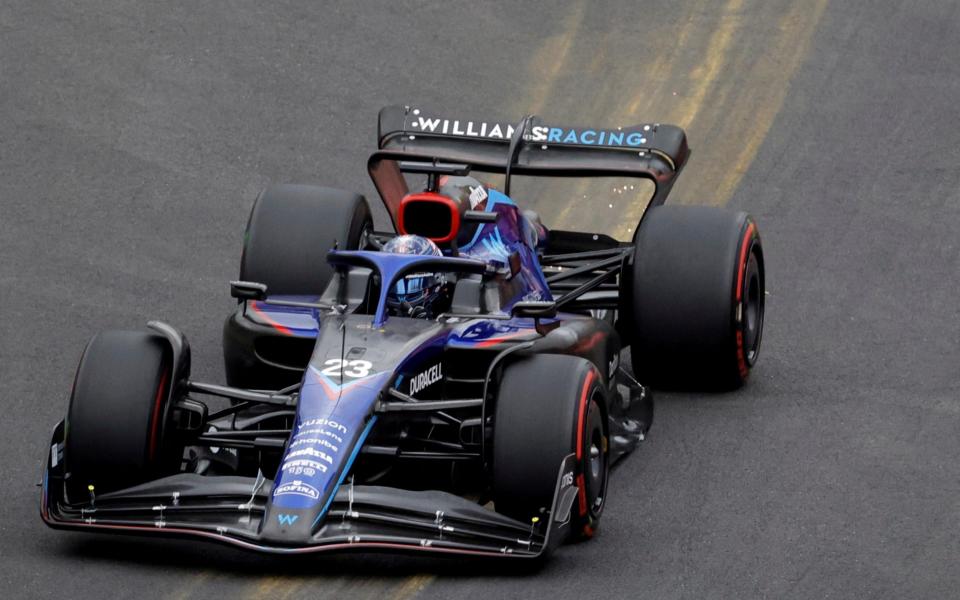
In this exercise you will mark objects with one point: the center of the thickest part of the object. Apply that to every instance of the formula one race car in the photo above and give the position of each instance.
(456, 385)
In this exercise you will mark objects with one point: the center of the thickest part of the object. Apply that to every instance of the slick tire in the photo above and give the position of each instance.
(547, 407)
(290, 231)
(115, 429)
(695, 298)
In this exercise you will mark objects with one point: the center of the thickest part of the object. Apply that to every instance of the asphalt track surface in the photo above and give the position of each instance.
(134, 137)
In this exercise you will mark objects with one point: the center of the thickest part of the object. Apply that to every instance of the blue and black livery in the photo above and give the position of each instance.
(485, 428)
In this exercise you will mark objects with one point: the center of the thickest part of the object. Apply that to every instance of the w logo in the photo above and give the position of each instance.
(287, 519)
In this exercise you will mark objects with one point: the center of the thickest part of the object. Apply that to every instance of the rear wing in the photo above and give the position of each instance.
(530, 146)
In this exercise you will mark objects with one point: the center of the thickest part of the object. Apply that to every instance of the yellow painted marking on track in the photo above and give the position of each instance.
(288, 587)
(276, 587)
(743, 102)
(657, 76)
(412, 587)
(190, 590)
(797, 29)
(549, 61)
(720, 70)
(705, 74)
(388, 588)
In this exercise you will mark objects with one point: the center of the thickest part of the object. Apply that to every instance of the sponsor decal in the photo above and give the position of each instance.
(587, 137)
(567, 479)
(323, 423)
(426, 379)
(477, 196)
(318, 432)
(311, 442)
(497, 131)
(298, 488)
(538, 133)
(313, 454)
(287, 519)
(317, 442)
(303, 467)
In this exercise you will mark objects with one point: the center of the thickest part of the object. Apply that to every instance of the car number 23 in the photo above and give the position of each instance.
(337, 367)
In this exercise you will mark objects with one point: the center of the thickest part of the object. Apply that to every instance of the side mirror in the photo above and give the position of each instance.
(534, 309)
(248, 290)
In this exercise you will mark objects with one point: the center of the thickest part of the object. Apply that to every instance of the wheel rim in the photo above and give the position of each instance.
(595, 467)
(596, 458)
(752, 308)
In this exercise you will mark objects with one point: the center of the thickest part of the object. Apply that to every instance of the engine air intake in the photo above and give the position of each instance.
(430, 215)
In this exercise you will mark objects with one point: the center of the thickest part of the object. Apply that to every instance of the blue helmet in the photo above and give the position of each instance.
(414, 294)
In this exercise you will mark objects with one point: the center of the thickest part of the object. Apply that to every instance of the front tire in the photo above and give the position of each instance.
(549, 406)
(116, 433)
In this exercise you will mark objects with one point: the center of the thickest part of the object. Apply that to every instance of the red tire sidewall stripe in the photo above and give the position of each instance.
(741, 271)
(742, 264)
(155, 420)
(584, 395)
(583, 410)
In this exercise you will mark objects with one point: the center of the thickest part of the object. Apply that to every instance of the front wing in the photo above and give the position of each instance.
(231, 509)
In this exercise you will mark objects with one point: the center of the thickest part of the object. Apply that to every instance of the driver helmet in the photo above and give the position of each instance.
(414, 294)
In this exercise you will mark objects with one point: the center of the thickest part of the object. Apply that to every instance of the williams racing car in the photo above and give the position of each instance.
(455, 385)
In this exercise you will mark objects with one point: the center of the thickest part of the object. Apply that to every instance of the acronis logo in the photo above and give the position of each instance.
(538, 133)
(287, 519)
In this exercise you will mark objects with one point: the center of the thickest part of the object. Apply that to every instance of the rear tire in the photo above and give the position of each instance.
(115, 429)
(549, 406)
(290, 231)
(695, 300)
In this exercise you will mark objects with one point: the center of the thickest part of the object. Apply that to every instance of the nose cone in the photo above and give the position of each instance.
(334, 418)
(351, 365)
(293, 526)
